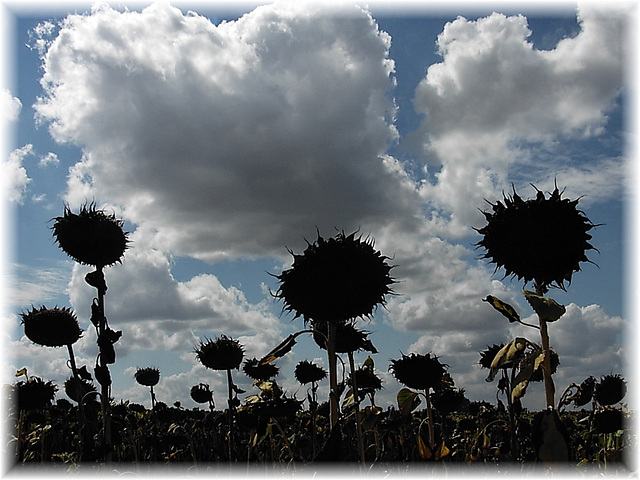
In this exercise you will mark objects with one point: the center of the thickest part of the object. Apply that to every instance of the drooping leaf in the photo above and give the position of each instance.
(442, 451)
(507, 354)
(423, 450)
(547, 308)
(283, 348)
(504, 308)
(408, 400)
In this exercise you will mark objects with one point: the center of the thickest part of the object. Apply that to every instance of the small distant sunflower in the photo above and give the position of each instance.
(542, 239)
(222, 354)
(51, 327)
(419, 371)
(149, 376)
(585, 392)
(254, 370)
(610, 390)
(91, 237)
(335, 280)
(307, 372)
(367, 380)
(201, 393)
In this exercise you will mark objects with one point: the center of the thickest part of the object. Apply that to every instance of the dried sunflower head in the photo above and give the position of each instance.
(335, 280)
(348, 337)
(307, 372)
(36, 394)
(487, 356)
(253, 369)
(610, 390)
(91, 237)
(51, 327)
(222, 354)
(70, 389)
(201, 393)
(419, 371)
(149, 376)
(541, 239)
(585, 392)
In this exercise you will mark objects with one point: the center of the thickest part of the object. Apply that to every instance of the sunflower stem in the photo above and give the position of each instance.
(106, 413)
(230, 384)
(432, 440)
(549, 388)
(354, 385)
(333, 374)
(78, 388)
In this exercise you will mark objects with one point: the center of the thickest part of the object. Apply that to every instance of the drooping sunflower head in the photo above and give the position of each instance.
(77, 388)
(542, 239)
(51, 327)
(487, 356)
(253, 369)
(222, 354)
(91, 237)
(201, 393)
(149, 376)
(610, 390)
(307, 372)
(348, 337)
(336, 279)
(419, 371)
(35, 394)
(367, 380)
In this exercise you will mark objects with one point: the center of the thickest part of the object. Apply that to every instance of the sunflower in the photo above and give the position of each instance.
(542, 239)
(419, 371)
(36, 394)
(202, 394)
(91, 237)
(222, 354)
(149, 377)
(307, 372)
(610, 390)
(254, 370)
(348, 337)
(335, 280)
(51, 327)
(71, 391)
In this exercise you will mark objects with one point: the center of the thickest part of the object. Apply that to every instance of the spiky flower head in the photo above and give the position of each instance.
(307, 372)
(487, 356)
(91, 237)
(35, 394)
(335, 280)
(253, 369)
(51, 327)
(610, 390)
(419, 371)
(542, 239)
(367, 380)
(149, 376)
(74, 386)
(222, 354)
(348, 337)
(201, 393)
(585, 392)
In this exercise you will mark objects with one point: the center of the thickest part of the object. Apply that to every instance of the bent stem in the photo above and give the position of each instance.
(333, 375)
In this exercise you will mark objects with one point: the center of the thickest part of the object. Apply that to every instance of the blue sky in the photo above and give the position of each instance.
(226, 135)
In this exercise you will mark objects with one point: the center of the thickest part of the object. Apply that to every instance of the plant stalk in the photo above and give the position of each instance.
(354, 386)
(333, 374)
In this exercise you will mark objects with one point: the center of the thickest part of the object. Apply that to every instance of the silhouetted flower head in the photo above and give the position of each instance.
(449, 400)
(148, 376)
(201, 393)
(253, 369)
(335, 280)
(307, 372)
(585, 392)
(542, 239)
(418, 371)
(537, 375)
(367, 380)
(51, 327)
(91, 237)
(72, 393)
(610, 390)
(487, 356)
(348, 337)
(35, 394)
(222, 354)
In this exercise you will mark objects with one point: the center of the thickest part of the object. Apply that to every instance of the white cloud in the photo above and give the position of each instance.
(493, 96)
(10, 106)
(14, 176)
(234, 139)
(49, 159)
